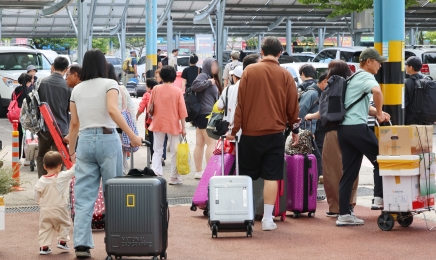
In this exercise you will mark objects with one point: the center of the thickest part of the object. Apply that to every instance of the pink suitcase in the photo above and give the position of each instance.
(302, 184)
(213, 168)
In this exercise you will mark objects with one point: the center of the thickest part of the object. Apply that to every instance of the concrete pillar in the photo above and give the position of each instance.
(393, 35)
(389, 35)
(170, 45)
(225, 37)
(123, 41)
(412, 37)
(177, 40)
(82, 23)
(151, 37)
(338, 40)
(320, 39)
(357, 38)
(221, 42)
(289, 36)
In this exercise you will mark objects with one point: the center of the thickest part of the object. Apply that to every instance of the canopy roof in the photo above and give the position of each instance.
(23, 19)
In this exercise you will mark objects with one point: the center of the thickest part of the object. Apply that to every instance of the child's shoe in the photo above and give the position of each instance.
(63, 245)
(45, 250)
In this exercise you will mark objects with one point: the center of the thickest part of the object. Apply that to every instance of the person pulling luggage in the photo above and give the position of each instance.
(262, 115)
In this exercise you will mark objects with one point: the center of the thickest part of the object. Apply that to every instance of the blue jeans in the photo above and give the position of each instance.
(98, 157)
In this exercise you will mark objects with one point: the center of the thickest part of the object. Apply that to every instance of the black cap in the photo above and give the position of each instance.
(414, 62)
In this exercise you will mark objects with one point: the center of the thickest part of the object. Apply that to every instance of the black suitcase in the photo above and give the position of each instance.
(137, 217)
(281, 201)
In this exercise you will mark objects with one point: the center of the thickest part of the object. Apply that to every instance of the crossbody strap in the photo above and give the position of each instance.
(345, 91)
(226, 106)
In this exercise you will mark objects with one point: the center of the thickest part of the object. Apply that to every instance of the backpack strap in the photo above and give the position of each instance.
(344, 91)
(227, 101)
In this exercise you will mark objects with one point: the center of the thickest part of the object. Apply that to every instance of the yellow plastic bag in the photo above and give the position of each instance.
(183, 157)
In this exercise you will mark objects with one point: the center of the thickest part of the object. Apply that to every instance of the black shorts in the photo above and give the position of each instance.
(200, 121)
(262, 156)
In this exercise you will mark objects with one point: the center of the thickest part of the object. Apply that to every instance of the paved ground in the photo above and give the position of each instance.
(190, 237)
(304, 238)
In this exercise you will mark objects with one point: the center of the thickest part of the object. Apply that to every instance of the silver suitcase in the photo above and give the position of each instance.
(231, 202)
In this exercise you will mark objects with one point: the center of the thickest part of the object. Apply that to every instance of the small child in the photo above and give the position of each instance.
(52, 193)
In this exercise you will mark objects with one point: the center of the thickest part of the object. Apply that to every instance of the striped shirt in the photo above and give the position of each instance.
(371, 119)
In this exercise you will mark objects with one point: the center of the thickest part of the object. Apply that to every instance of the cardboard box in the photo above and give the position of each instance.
(405, 140)
(401, 194)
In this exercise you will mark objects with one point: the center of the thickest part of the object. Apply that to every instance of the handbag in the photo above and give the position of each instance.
(217, 127)
(128, 117)
(183, 157)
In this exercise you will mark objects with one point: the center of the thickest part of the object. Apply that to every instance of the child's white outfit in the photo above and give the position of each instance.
(52, 195)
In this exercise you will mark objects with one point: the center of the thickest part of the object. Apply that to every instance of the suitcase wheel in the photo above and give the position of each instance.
(206, 213)
(283, 217)
(154, 258)
(312, 214)
(163, 256)
(214, 230)
(109, 257)
(32, 165)
(296, 214)
(193, 208)
(250, 230)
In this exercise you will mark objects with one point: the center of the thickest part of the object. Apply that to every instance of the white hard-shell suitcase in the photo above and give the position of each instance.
(231, 203)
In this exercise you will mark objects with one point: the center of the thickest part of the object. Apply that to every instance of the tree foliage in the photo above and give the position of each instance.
(54, 43)
(343, 7)
(430, 36)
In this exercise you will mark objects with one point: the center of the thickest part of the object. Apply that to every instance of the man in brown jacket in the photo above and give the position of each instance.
(267, 101)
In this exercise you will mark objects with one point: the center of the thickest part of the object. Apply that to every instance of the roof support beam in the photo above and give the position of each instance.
(203, 13)
(55, 8)
(275, 24)
(164, 15)
(123, 17)
(90, 23)
(72, 22)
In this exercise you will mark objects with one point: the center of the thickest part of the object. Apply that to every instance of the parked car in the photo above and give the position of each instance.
(117, 62)
(288, 59)
(182, 62)
(294, 68)
(304, 57)
(50, 55)
(66, 57)
(14, 61)
(428, 57)
(348, 54)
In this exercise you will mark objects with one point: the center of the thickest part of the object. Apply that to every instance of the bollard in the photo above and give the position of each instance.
(15, 156)
(2, 213)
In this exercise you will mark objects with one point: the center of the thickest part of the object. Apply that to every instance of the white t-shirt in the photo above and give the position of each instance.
(232, 99)
(90, 99)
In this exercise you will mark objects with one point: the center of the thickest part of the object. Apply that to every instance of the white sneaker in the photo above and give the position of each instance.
(268, 225)
(63, 246)
(175, 181)
(44, 252)
(198, 175)
(348, 220)
(377, 203)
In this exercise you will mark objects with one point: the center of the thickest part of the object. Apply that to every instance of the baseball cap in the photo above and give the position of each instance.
(132, 51)
(415, 62)
(371, 53)
(237, 71)
(31, 67)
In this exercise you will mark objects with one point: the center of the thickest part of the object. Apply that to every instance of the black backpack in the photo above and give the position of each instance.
(424, 101)
(165, 61)
(192, 104)
(332, 101)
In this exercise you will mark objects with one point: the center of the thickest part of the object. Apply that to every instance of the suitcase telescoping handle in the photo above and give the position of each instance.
(222, 155)
(310, 126)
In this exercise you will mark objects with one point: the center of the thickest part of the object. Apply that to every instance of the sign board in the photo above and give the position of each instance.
(204, 47)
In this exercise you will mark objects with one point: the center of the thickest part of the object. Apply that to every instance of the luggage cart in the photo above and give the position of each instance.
(386, 221)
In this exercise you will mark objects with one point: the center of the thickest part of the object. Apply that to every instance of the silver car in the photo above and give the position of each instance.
(14, 61)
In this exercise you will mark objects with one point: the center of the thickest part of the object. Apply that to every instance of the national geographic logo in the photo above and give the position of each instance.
(135, 242)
